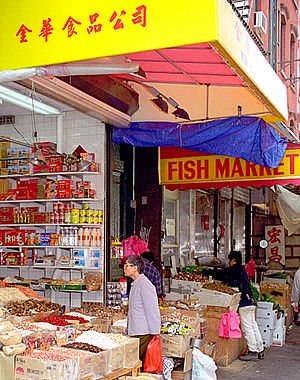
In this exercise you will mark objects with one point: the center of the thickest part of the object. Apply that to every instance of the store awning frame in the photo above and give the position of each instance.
(190, 23)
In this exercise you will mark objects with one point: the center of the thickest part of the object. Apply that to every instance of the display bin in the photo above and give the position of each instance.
(101, 363)
(176, 285)
(215, 298)
(175, 346)
(32, 368)
(117, 358)
(65, 287)
(131, 352)
(195, 324)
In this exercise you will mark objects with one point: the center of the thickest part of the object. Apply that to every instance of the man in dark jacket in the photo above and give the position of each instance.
(236, 276)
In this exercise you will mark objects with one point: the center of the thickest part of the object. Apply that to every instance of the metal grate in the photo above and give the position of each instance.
(7, 119)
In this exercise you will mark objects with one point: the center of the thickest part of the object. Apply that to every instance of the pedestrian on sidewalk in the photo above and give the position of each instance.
(143, 312)
(236, 276)
(151, 272)
(295, 296)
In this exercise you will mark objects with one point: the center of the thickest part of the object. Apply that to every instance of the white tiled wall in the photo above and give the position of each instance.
(78, 129)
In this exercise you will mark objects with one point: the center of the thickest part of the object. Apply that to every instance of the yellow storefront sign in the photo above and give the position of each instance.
(39, 32)
(204, 169)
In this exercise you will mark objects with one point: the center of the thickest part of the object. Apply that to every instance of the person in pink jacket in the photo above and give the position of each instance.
(143, 312)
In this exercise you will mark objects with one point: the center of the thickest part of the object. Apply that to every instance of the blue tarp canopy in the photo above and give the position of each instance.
(250, 138)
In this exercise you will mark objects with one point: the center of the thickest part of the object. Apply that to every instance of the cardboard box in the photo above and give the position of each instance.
(34, 369)
(175, 346)
(280, 293)
(278, 338)
(145, 376)
(131, 352)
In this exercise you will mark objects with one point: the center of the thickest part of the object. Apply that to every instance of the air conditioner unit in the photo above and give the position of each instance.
(260, 22)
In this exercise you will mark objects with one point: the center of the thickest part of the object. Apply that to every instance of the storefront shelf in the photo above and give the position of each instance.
(54, 174)
(52, 200)
(50, 224)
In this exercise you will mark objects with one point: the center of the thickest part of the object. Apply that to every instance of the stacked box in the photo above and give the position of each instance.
(265, 321)
(278, 338)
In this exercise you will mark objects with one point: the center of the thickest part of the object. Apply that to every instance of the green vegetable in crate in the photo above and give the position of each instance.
(256, 294)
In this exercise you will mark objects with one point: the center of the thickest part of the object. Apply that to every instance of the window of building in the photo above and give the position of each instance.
(282, 41)
(256, 5)
(292, 57)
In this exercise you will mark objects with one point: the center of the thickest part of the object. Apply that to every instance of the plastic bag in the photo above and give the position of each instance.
(153, 359)
(204, 368)
(134, 246)
(230, 325)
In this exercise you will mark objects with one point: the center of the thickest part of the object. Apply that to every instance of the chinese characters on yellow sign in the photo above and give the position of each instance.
(73, 26)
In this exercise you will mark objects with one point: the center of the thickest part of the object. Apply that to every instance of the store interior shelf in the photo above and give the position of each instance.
(49, 174)
(47, 267)
(52, 200)
(48, 246)
(50, 224)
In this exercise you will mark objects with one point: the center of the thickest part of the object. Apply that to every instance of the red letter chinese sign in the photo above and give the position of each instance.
(276, 248)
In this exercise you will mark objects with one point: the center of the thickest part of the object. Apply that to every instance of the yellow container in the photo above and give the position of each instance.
(75, 215)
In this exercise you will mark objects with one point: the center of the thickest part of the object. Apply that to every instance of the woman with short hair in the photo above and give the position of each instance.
(143, 313)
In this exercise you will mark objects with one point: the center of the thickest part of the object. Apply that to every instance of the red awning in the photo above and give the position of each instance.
(199, 63)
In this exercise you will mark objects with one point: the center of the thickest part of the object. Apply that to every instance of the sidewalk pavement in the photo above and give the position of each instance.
(280, 363)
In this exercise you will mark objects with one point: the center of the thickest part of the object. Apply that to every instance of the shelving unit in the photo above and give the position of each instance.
(55, 271)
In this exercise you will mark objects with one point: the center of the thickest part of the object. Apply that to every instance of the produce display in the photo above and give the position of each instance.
(176, 328)
(219, 287)
(98, 339)
(10, 339)
(63, 320)
(84, 347)
(267, 298)
(28, 307)
(173, 315)
(28, 292)
(8, 295)
(190, 277)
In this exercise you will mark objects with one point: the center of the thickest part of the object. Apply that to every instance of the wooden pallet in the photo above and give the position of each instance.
(133, 371)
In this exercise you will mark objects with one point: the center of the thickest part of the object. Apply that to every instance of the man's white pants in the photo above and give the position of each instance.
(250, 329)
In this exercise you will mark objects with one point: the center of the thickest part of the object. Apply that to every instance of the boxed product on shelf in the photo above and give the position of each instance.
(13, 169)
(12, 152)
(10, 258)
(4, 145)
(40, 217)
(55, 164)
(13, 237)
(5, 185)
(7, 215)
(80, 253)
(24, 169)
(28, 256)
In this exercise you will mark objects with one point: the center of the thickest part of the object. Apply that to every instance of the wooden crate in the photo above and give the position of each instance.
(280, 293)
(215, 298)
(228, 350)
(180, 375)
(195, 324)
(175, 346)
